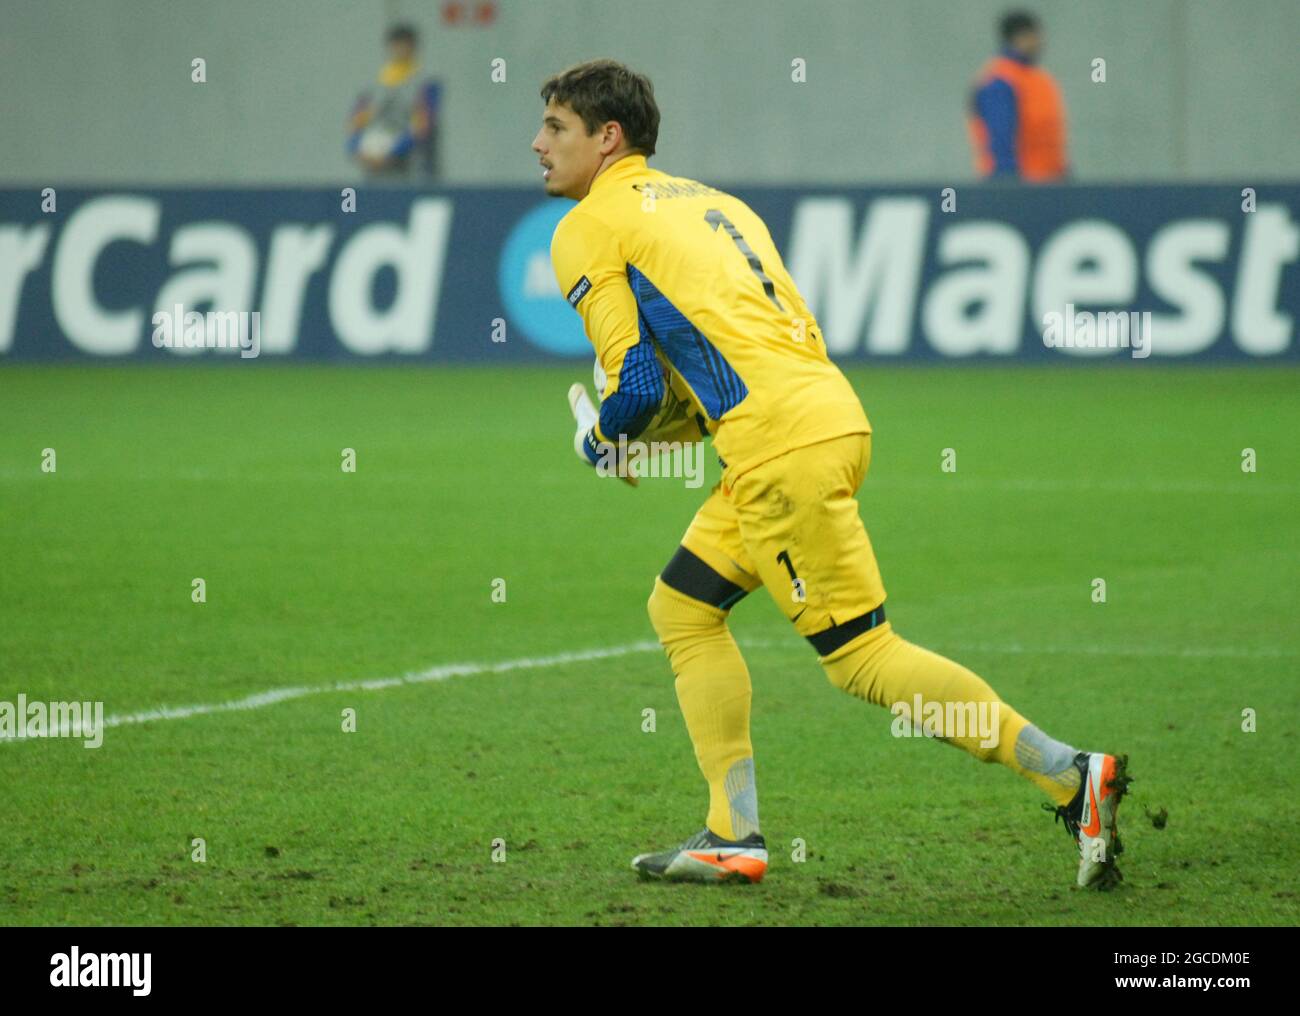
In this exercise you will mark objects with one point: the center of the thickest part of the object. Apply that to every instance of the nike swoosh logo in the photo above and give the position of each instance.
(1094, 824)
(707, 858)
(798, 615)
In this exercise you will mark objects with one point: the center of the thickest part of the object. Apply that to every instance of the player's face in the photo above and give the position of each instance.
(1030, 43)
(570, 157)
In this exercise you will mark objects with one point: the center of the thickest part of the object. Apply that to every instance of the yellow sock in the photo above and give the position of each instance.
(714, 693)
(884, 668)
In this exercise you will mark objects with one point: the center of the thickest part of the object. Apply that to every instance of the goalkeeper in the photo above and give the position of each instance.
(687, 303)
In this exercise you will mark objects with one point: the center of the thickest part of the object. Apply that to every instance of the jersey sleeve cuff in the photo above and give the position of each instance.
(591, 446)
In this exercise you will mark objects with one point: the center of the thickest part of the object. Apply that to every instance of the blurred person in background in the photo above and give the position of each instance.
(1016, 118)
(394, 126)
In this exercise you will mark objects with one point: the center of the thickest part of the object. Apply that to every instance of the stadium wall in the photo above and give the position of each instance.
(100, 93)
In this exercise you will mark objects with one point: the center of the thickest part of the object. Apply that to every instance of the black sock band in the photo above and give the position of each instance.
(826, 642)
(688, 574)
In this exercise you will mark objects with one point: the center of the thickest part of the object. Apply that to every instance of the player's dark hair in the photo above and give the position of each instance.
(1015, 22)
(604, 90)
(401, 33)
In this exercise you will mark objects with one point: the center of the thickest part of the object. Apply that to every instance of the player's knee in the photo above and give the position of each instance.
(675, 615)
(850, 675)
(859, 666)
(660, 609)
(655, 607)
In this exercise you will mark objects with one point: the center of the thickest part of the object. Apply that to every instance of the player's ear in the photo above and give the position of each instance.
(612, 138)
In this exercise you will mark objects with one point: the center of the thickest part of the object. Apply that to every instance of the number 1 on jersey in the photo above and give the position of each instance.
(715, 219)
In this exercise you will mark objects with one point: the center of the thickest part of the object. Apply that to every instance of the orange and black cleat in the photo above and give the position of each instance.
(1090, 817)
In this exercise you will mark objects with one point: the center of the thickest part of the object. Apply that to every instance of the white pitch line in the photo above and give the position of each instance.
(274, 695)
(450, 670)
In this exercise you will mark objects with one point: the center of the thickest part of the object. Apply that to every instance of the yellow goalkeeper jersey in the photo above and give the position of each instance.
(650, 258)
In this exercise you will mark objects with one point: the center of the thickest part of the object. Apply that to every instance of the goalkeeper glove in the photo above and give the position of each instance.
(586, 416)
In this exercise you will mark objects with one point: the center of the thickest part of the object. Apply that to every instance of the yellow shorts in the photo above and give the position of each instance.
(792, 525)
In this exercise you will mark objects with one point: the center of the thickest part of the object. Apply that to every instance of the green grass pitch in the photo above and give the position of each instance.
(316, 577)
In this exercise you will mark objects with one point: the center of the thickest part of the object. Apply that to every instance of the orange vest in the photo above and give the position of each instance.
(1040, 121)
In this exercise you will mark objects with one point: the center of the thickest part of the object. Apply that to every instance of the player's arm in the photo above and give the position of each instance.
(362, 111)
(592, 274)
(996, 104)
(423, 113)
